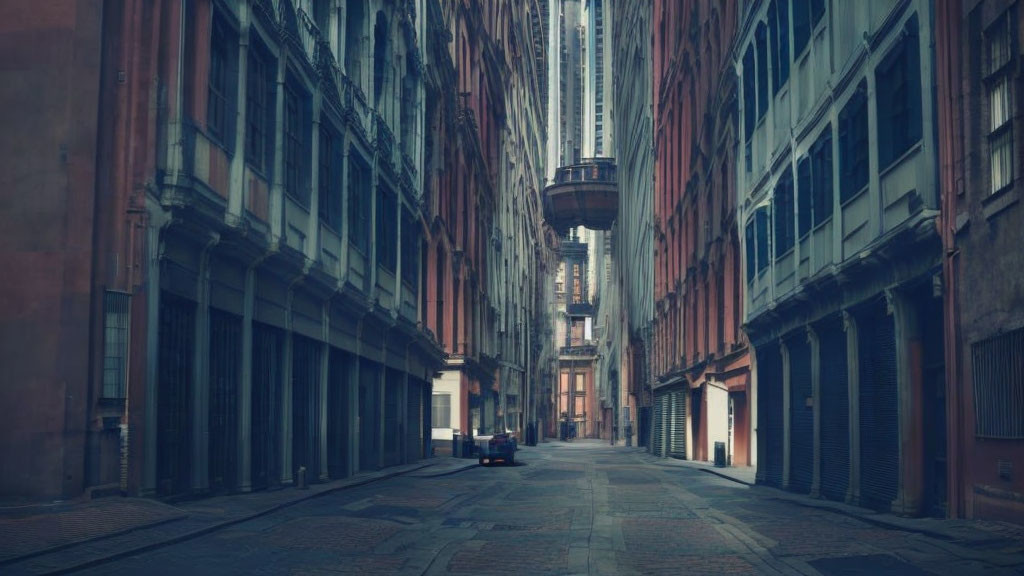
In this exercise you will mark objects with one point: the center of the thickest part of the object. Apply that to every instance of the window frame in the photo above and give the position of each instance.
(446, 407)
(854, 150)
(259, 111)
(219, 103)
(898, 91)
(115, 366)
(1003, 74)
(359, 185)
(328, 181)
(295, 143)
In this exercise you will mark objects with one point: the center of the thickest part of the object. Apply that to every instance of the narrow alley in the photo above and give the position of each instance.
(579, 507)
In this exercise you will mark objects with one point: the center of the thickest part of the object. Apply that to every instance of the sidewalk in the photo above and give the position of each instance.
(61, 538)
(1000, 543)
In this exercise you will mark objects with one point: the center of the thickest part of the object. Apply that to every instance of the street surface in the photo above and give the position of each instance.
(565, 508)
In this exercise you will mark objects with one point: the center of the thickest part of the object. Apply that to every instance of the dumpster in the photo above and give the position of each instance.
(720, 454)
(456, 445)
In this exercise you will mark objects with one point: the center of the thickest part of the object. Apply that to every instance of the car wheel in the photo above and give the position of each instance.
(480, 461)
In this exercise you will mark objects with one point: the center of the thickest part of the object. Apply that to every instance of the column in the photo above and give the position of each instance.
(909, 382)
(325, 373)
(277, 228)
(812, 339)
(853, 392)
(353, 404)
(784, 350)
(286, 395)
(245, 386)
(237, 188)
(149, 435)
(313, 225)
(201, 374)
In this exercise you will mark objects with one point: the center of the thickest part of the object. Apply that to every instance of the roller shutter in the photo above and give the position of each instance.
(225, 365)
(879, 409)
(174, 394)
(769, 406)
(267, 371)
(801, 416)
(414, 426)
(306, 406)
(677, 439)
(835, 412)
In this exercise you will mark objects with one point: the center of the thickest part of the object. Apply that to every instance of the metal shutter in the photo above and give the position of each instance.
(835, 412)
(306, 406)
(174, 394)
(267, 350)
(769, 409)
(337, 414)
(413, 427)
(392, 448)
(677, 444)
(225, 361)
(658, 436)
(879, 409)
(801, 416)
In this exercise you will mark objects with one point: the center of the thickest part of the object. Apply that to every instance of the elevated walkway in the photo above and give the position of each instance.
(584, 194)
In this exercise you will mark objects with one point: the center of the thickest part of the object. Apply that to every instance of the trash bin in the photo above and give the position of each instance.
(468, 447)
(720, 454)
(456, 445)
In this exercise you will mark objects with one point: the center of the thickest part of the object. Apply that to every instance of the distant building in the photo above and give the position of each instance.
(977, 61)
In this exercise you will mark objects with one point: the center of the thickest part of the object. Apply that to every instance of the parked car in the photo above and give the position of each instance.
(500, 447)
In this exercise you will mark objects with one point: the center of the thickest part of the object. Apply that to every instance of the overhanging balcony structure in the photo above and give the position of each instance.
(584, 194)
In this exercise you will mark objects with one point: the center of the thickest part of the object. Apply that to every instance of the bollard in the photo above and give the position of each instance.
(300, 478)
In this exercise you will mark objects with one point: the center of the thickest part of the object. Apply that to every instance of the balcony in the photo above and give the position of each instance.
(584, 194)
(578, 350)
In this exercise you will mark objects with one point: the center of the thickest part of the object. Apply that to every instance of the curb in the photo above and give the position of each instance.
(726, 476)
(220, 525)
(448, 472)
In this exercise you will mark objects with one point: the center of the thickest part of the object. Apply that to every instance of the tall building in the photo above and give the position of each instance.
(978, 110)
(487, 143)
(580, 138)
(702, 383)
(631, 297)
(837, 196)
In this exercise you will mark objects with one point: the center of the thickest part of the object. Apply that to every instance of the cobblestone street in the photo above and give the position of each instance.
(580, 508)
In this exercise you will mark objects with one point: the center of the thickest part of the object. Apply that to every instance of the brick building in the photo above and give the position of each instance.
(240, 264)
(979, 125)
(702, 383)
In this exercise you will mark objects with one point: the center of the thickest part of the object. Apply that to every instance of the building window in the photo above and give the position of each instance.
(115, 343)
(853, 145)
(329, 183)
(296, 150)
(806, 15)
(749, 102)
(381, 55)
(1001, 48)
(898, 80)
(782, 206)
(410, 249)
(996, 365)
(778, 26)
(803, 194)
(762, 218)
(259, 111)
(219, 103)
(581, 387)
(577, 285)
(358, 202)
(751, 251)
(441, 411)
(387, 251)
(821, 180)
(761, 39)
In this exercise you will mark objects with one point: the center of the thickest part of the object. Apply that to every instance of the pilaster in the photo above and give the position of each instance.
(853, 393)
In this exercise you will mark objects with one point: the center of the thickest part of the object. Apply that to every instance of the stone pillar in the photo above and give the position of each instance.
(155, 247)
(201, 374)
(814, 342)
(909, 382)
(325, 372)
(245, 386)
(313, 225)
(853, 391)
(237, 190)
(784, 350)
(277, 227)
(286, 395)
